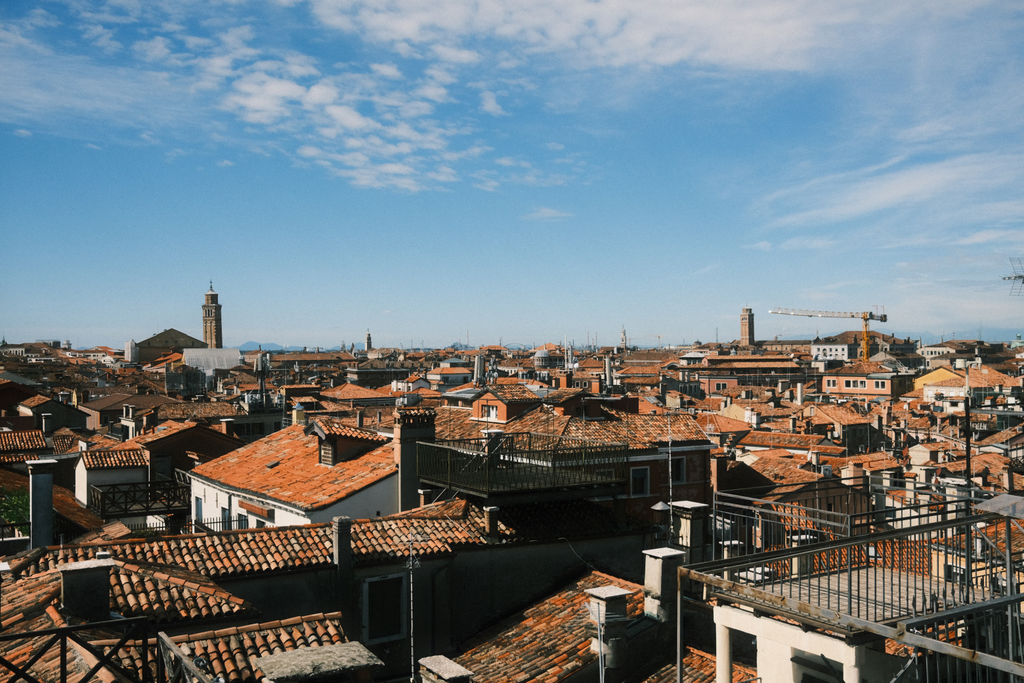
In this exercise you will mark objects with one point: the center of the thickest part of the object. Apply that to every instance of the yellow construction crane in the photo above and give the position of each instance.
(865, 342)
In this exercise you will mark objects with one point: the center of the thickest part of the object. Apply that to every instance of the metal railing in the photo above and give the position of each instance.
(44, 641)
(940, 588)
(520, 462)
(162, 497)
(745, 522)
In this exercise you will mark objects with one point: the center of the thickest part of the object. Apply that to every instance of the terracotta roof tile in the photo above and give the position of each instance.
(214, 555)
(25, 440)
(298, 478)
(551, 635)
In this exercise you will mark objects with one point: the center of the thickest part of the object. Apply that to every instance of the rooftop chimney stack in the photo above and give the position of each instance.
(85, 588)
(608, 613)
(660, 565)
(47, 420)
(40, 497)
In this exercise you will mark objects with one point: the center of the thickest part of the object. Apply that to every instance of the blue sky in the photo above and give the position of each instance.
(512, 171)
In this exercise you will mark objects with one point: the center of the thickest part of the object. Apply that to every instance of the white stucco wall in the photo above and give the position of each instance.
(378, 499)
(778, 642)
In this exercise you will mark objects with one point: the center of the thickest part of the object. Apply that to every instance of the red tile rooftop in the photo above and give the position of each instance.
(298, 479)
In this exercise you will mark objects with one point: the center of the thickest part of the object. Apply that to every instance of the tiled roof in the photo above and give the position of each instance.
(193, 411)
(170, 594)
(784, 470)
(216, 555)
(512, 393)
(297, 478)
(781, 440)
(698, 667)
(547, 642)
(440, 528)
(140, 401)
(232, 652)
(36, 400)
(162, 431)
(337, 427)
(121, 457)
(350, 392)
(840, 414)
(25, 440)
(639, 431)
(26, 606)
(718, 424)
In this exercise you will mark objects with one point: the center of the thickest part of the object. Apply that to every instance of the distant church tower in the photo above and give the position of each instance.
(747, 327)
(213, 335)
(369, 342)
(623, 341)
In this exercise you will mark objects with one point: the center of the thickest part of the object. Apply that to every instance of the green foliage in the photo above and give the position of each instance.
(14, 506)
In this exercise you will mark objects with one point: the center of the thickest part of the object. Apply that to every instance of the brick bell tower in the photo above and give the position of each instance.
(213, 334)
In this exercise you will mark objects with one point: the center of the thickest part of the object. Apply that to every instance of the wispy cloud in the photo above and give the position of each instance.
(547, 214)
(22, 133)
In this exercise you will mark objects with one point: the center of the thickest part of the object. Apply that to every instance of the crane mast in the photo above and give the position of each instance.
(865, 316)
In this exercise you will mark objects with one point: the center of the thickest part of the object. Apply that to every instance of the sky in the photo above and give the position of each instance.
(508, 172)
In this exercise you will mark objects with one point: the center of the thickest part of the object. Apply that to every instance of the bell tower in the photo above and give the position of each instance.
(212, 333)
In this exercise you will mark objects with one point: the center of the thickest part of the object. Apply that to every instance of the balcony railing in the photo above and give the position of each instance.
(942, 587)
(163, 497)
(509, 463)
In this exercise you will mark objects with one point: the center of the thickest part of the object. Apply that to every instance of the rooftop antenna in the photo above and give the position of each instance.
(1017, 288)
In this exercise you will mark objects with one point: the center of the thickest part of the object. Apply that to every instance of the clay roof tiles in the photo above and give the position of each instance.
(297, 479)
(546, 642)
(215, 555)
(24, 440)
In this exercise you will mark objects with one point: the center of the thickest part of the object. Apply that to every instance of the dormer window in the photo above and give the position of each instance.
(326, 452)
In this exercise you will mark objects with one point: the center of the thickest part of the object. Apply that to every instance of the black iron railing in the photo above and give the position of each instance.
(163, 497)
(520, 462)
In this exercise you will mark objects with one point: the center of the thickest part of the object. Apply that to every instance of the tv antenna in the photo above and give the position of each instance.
(1017, 288)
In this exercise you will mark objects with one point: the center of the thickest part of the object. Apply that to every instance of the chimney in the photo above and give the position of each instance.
(719, 467)
(440, 669)
(792, 424)
(800, 392)
(227, 425)
(341, 537)
(85, 588)
(410, 426)
(854, 475)
(128, 411)
(607, 371)
(40, 498)
(607, 608)
(491, 523)
(47, 419)
(660, 571)
(298, 415)
(359, 418)
(879, 422)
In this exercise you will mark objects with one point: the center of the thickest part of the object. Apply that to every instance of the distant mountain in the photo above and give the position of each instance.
(270, 346)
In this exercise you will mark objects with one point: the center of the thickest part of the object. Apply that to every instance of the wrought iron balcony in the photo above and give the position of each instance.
(160, 497)
(520, 463)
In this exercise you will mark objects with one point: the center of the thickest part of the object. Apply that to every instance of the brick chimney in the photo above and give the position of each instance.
(491, 523)
(410, 426)
(40, 497)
